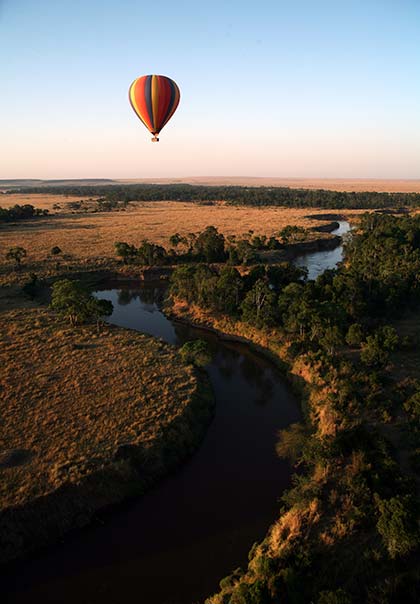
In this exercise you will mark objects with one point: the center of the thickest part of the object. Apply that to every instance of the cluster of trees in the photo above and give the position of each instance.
(346, 306)
(352, 505)
(252, 297)
(256, 196)
(208, 246)
(18, 212)
(72, 301)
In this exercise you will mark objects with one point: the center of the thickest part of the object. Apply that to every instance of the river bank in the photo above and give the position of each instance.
(206, 508)
(80, 517)
(102, 418)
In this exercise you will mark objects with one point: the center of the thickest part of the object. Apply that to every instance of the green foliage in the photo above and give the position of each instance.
(177, 239)
(148, 254)
(354, 335)
(125, 251)
(292, 441)
(196, 352)
(259, 306)
(251, 593)
(151, 254)
(18, 212)
(235, 195)
(338, 596)
(397, 525)
(377, 348)
(228, 290)
(17, 254)
(292, 233)
(72, 301)
(210, 245)
(412, 406)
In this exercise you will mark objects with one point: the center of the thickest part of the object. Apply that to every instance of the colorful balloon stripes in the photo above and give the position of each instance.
(154, 99)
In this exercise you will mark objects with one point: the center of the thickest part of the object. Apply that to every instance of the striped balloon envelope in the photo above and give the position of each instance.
(154, 99)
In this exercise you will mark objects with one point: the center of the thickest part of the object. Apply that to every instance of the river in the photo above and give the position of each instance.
(174, 544)
(318, 262)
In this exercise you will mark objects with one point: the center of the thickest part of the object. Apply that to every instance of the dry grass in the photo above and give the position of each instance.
(93, 235)
(42, 201)
(333, 184)
(70, 398)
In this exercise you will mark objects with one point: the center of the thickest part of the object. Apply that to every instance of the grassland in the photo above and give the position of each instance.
(92, 236)
(85, 420)
(330, 184)
(409, 185)
(45, 202)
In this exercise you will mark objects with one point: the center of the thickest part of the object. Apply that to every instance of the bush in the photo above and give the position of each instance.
(397, 525)
(196, 353)
(334, 597)
(75, 303)
(354, 335)
(17, 254)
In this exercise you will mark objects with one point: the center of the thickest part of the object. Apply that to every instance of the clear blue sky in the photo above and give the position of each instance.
(269, 88)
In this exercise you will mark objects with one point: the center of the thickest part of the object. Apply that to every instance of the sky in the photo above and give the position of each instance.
(298, 88)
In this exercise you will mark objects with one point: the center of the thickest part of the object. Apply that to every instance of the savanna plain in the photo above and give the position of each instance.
(92, 413)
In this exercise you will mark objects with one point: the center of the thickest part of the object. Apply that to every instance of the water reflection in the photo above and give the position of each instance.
(175, 544)
(318, 262)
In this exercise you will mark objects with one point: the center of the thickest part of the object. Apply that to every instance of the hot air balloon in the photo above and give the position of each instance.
(154, 99)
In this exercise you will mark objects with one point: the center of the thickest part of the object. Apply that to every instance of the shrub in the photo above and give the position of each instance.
(354, 335)
(17, 254)
(75, 303)
(196, 353)
(397, 525)
(334, 597)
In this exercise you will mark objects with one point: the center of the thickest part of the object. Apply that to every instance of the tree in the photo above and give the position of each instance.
(338, 596)
(292, 441)
(177, 239)
(259, 306)
(354, 335)
(210, 245)
(377, 348)
(196, 353)
(55, 251)
(151, 254)
(331, 339)
(72, 301)
(17, 254)
(397, 525)
(292, 233)
(125, 251)
(228, 290)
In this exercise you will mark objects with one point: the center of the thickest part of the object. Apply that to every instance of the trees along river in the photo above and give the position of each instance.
(175, 544)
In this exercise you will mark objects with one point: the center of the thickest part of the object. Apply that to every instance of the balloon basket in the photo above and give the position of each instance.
(155, 139)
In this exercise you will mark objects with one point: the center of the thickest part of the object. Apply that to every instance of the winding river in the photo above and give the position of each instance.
(318, 262)
(174, 544)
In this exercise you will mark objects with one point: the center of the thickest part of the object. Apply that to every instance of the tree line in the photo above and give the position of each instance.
(208, 246)
(236, 195)
(352, 506)
(18, 212)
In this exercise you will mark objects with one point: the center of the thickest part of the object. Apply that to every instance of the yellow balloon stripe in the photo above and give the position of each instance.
(134, 103)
